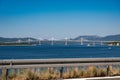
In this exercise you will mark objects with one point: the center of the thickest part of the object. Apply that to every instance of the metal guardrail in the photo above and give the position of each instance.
(34, 63)
(24, 63)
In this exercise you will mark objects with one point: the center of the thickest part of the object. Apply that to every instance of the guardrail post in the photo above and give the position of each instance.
(11, 64)
(61, 73)
(108, 69)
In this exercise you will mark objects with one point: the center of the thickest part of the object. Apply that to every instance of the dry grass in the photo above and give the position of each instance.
(3, 76)
(52, 74)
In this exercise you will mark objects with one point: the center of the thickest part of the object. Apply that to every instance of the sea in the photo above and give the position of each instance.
(58, 51)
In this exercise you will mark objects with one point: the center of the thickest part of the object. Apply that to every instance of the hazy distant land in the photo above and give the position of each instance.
(86, 37)
(33, 41)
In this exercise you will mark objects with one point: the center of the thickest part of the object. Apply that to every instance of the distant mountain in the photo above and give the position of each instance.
(87, 37)
(2, 39)
(98, 38)
(112, 38)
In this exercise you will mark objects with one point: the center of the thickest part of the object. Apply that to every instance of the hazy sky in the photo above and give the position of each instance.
(59, 18)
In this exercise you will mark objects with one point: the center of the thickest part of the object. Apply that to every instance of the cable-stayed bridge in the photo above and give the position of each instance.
(65, 41)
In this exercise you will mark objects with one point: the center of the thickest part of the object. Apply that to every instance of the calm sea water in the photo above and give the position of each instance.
(55, 51)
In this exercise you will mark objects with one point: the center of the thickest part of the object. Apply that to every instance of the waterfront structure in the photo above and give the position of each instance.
(66, 41)
(114, 43)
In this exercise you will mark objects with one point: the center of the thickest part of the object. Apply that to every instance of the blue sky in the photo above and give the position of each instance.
(59, 18)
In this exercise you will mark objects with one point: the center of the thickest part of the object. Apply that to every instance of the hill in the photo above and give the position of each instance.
(98, 38)
(2, 39)
(87, 37)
